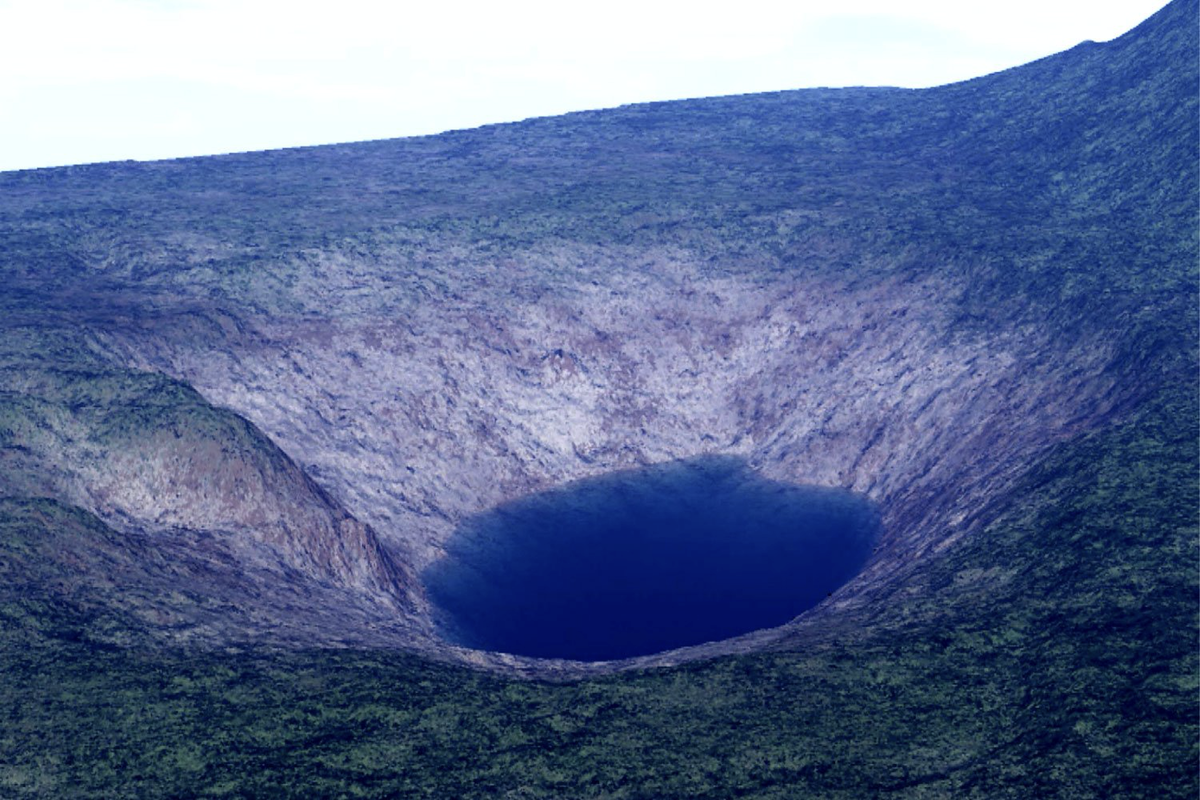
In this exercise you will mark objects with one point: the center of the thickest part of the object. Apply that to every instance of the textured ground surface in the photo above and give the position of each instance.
(245, 401)
(416, 421)
(911, 295)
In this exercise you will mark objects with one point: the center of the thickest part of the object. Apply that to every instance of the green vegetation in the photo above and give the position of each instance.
(1051, 654)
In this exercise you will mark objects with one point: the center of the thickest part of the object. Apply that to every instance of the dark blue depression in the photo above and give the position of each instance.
(641, 561)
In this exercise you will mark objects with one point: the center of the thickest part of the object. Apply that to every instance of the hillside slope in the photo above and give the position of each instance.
(246, 400)
(197, 508)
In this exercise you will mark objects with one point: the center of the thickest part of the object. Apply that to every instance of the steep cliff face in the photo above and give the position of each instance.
(467, 403)
(156, 463)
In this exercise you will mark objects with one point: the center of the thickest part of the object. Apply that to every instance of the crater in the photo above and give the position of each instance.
(440, 423)
(646, 560)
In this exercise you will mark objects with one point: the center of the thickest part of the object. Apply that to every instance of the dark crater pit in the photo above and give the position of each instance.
(642, 561)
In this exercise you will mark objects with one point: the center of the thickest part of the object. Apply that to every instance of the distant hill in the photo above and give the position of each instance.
(246, 400)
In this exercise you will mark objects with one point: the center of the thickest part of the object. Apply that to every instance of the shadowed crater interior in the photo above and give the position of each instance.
(647, 560)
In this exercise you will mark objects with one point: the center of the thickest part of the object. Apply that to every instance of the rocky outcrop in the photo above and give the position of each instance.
(149, 457)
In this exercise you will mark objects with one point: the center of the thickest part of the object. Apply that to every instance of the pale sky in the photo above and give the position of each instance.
(102, 80)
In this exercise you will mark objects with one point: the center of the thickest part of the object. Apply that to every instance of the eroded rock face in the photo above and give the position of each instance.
(417, 415)
(193, 503)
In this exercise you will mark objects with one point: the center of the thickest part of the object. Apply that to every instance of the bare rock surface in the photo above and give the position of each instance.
(190, 508)
(418, 419)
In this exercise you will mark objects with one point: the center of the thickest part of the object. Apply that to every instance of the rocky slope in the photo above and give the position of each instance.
(462, 406)
(914, 295)
(187, 497)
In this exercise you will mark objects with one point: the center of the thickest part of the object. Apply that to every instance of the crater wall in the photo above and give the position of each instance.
(432, 406)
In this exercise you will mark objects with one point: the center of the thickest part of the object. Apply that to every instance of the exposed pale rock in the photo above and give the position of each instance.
(477, 395)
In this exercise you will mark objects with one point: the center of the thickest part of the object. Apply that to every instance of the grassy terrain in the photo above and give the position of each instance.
(1053, 654)
(1064, 189)
(1063, 664)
